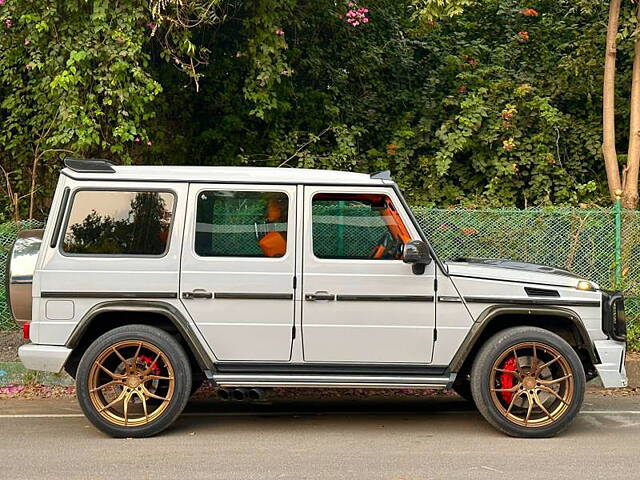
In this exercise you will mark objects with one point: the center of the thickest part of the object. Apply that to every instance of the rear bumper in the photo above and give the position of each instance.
(48, 358)
(611, 371)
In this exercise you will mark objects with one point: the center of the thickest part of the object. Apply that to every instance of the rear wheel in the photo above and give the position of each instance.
(528, 382)
(133, 381)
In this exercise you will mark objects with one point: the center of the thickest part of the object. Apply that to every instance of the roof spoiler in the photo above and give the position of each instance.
(384, 175)
(89, 165)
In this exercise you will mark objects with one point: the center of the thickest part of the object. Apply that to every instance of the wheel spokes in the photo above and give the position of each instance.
(553, 392)
(119, 398)
(140, 376)
(109, 372)
(536, 397)
(146, 391)
(531, 360)
(545, 365)
(105, 385)
(529, 409)
(555, 380)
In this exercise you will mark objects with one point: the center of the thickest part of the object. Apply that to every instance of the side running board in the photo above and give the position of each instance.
(335, 381)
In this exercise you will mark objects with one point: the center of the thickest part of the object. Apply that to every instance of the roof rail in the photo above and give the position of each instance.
(89, 165)
(384, 175)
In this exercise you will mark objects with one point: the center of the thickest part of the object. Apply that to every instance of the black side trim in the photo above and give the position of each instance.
(384, 298)
(109, 295)
(534, 301)
(495, 311)
(91, 165)
(253, 296)
(60, 217)
(329, 368)
(141, 306)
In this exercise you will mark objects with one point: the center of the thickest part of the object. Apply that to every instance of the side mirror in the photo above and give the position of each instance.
(416, 253)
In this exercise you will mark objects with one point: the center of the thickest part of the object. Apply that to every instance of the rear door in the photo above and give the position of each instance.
(362, 303)
(238, 265)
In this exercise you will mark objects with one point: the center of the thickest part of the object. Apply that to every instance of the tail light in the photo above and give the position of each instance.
(26, 330)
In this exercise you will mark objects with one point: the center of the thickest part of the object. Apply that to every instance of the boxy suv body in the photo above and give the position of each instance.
(149, 280)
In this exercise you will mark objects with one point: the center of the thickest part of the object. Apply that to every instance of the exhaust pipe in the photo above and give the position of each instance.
(256, 394)
(224, 394)
(239, 394)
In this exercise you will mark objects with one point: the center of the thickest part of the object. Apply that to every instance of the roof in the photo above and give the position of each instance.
(175, 173)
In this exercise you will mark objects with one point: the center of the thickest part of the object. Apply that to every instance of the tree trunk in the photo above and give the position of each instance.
(630, 196)
(608, 103)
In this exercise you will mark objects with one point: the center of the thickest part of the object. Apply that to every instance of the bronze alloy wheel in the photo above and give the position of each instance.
(531, 384)
(131, 383)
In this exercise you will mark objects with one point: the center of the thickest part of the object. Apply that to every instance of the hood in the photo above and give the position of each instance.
(513, 271)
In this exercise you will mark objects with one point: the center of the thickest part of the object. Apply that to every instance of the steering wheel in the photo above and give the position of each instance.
(382, 247)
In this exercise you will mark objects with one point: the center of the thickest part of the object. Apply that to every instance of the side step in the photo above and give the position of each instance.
(331, 381)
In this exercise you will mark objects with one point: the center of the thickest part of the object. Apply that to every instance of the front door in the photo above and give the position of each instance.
(362, 303)
(237, 274)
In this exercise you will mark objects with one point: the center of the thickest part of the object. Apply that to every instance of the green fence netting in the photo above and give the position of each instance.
(580, 240)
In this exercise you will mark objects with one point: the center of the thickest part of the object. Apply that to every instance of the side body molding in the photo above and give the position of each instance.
(145, 306)
(491, 313)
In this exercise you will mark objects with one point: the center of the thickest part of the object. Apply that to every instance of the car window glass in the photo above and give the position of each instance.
(241, 224)
(119, 223)
(359, 226)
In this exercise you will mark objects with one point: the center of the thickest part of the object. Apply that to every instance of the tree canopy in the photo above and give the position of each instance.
(494, 102)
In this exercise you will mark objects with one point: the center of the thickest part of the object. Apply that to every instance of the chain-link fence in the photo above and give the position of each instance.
(588, 242)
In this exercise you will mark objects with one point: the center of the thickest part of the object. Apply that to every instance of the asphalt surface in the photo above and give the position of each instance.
(404, 439)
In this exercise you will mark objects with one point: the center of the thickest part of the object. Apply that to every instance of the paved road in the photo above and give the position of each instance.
(440, 437)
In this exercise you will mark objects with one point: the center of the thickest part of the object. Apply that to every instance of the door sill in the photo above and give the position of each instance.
(331, 381)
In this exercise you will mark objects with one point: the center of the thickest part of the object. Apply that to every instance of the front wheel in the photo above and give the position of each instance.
(528, 382)
(133, 381)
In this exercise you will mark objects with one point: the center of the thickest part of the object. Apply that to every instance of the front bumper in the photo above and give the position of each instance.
(48, 358)
(611, 369)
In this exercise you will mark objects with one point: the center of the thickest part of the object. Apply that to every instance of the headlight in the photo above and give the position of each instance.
(585, 285)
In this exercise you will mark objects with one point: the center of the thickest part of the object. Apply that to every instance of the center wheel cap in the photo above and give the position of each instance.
(529, 383)
(133, 382)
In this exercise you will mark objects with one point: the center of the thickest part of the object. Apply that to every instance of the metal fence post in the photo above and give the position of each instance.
(617, 208)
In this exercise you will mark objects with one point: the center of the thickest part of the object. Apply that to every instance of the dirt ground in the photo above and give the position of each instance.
(9, 343)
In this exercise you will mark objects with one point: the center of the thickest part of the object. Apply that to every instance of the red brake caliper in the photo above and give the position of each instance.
(147, 361)
(506, 379)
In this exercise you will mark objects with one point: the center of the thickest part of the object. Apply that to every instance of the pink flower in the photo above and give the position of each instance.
(2, 2)
(279, 32)
(8, 23)
(151, 25)
(149, 143)
(137, 139)
(355, 17)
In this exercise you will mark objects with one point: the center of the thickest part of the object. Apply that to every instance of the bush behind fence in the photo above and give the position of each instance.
(580, 240)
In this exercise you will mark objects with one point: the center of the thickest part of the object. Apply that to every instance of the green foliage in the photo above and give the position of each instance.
(493, 103)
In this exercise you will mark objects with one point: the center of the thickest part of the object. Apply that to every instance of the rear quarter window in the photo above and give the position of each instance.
(118, 222)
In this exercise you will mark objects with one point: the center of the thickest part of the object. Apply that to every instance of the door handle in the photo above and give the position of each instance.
(319, 296)
(197, 293)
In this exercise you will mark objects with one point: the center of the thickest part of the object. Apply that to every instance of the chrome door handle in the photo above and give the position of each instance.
(319, 296)
(197, 293)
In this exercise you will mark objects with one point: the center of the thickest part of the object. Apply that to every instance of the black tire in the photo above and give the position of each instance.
(173, 352)
(495, 349)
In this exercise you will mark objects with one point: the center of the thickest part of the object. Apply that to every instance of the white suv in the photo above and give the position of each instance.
(149, 280)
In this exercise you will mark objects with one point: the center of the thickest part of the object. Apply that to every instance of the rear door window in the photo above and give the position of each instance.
(117, 222)
(241, 224)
